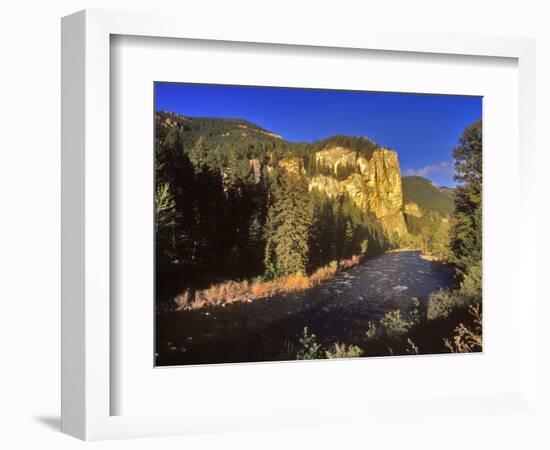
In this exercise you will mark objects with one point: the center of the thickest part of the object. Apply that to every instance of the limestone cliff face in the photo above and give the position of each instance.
(374, 185)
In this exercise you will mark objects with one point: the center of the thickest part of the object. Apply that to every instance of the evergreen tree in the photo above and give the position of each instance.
(349, 243)
(290, 218)
(339, 229)
(317, 230)
(466, 228)
(165, 206)
(255, 243)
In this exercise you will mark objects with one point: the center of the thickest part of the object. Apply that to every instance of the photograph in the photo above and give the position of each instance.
(311, 224)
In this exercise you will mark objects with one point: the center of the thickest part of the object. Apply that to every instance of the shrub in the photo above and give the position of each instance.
(308, 347)
(341, 351)
(471, 283)
(414, 313)
(412, 347)
(260, 287)
(226, 292)
(441, 303)
(394, 325)
(372, 331)
(444, 301)
(183, 300)
(468, 338)
(292, 283)
(347, 263)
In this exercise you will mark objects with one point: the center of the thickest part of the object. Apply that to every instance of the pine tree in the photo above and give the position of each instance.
(290, 218)
(466, 230)
(165, 206)
(254, 245)
(317, 229)
(339, 229)
(349, 244)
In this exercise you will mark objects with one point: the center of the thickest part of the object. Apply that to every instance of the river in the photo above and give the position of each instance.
(336, 311)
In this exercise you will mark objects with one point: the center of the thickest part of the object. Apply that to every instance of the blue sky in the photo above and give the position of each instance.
(423, 129)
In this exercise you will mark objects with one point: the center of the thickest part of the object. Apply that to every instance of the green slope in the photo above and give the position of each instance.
(427, 195)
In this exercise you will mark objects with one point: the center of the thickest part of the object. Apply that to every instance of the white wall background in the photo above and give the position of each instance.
(30, 198)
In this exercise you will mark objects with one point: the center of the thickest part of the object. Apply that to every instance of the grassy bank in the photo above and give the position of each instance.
(258, 288)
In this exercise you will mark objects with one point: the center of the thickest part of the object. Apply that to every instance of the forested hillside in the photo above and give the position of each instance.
(427, 195)
(428, 210)
(235, 201)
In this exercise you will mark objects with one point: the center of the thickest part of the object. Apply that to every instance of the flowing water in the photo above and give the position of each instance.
(336, 311)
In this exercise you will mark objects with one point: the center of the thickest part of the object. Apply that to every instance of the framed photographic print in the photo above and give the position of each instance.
(256, 222)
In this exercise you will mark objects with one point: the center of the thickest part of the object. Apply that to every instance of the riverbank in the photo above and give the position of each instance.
(250, 290)
(430, 257)
(424, 255)
(247, 291)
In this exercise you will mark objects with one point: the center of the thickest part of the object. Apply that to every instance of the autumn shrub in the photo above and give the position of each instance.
(259, 287)
(347, 263)
(226, 292)
(292, 283)
(323, 273)
(182, 300)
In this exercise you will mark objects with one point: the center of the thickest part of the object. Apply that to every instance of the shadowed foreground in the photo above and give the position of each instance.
(338, 310)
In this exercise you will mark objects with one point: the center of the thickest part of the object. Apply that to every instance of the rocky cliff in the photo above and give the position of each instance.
(374, 183)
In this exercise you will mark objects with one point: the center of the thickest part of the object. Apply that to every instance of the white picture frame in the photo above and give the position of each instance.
(87, 386)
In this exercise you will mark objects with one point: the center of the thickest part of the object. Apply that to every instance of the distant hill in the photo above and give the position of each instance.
(427, 195)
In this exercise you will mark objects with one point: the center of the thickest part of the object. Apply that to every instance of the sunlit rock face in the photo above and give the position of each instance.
(374, 185)
(412, 209)
(292, 165)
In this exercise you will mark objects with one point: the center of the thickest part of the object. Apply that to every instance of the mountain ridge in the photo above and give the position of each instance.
(338, 165)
